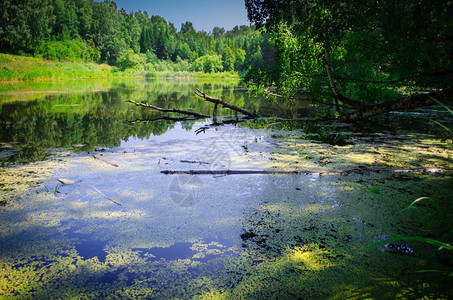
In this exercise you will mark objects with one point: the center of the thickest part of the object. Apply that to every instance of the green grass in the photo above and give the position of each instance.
(19, 68)
(22, 68)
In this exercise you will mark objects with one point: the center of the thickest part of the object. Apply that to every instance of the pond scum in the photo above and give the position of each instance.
(254, 237)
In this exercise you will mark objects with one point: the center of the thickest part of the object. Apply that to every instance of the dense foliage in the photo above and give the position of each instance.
(84, 30)
(355, 52)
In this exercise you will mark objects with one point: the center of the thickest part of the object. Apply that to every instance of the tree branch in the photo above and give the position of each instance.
(203, 95)
(173, 110)
(165, 119)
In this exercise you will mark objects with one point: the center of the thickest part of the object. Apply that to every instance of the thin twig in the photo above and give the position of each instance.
(107, 162)
(94, 188)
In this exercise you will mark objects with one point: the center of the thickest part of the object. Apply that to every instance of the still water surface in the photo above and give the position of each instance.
(123, 229)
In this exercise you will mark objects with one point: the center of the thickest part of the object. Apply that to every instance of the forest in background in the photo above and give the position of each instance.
(100, 32)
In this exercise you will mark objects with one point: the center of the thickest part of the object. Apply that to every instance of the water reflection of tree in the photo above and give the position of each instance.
(98, 119)
(88, 121)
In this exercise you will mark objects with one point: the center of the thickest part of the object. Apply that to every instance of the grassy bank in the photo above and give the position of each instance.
(21, 68)
(18, 68)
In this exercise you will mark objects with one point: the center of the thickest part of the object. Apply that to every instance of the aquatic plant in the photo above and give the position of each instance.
(440, 215)
(441, 245)
(55, 191)
(376, 189)
(438, 123)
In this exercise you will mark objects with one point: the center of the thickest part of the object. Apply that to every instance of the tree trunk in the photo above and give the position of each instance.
(333, 86)
(421, 100)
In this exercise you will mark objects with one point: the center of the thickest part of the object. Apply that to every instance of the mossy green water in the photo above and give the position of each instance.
(209, 237)
(247, 236)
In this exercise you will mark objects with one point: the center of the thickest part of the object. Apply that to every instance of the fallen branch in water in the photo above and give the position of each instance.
(242, 172)
(107, 162)
(203, 95)
(194, 162)
(164, 119)
(173, 110)
(70, 182)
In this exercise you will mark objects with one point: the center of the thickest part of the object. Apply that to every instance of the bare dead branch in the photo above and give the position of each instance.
(173, 110)
(203, 95)
(165, 119)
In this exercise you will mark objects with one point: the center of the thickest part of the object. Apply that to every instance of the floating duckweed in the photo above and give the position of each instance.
(254, 237)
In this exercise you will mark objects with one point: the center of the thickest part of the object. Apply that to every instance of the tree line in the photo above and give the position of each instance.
(84, 30)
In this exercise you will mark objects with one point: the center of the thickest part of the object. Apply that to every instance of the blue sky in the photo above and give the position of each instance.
(204, 14)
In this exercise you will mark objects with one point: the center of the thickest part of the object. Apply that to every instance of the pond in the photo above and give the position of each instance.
(86, 212)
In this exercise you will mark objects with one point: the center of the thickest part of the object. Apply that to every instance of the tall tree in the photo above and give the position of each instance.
(218, 32)
(84, 10)
(131, 31)
(187, 28)
(67, 21)
(106, 31)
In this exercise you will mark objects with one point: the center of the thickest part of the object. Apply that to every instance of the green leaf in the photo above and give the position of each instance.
(441, 104)
(412, 205)
(440, 244)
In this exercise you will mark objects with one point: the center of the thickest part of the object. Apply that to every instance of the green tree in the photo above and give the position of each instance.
(228, 59)
(84, 10)
(187, 28)
(146, 39)
(87, 30)
(183, 51)
(131, 32)
(67, 22)
(363, 51)
(161, 39)
(106, 31)
(218, 32)
(129, 60)
(209, 63)
(24, 24)
(240, 58)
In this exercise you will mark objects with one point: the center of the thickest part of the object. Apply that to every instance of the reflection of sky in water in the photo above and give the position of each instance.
(163, 210)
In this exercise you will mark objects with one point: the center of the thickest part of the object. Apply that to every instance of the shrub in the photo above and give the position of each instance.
(208, 63)
(130, 60)
(69, 50)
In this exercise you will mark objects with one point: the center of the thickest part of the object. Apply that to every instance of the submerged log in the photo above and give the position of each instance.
(244, 172)
(173, 110)
(203, 95)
